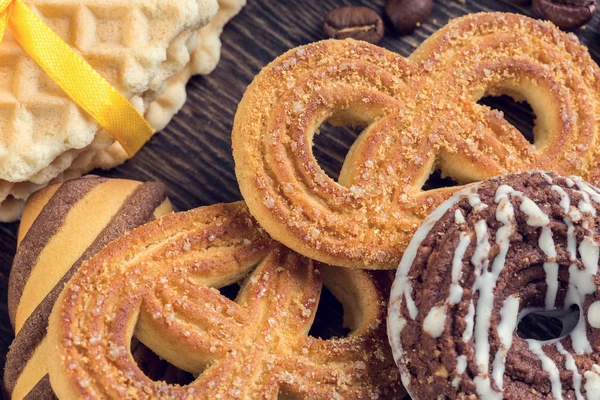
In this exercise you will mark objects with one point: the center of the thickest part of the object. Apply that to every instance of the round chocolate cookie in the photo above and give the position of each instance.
(479, 263)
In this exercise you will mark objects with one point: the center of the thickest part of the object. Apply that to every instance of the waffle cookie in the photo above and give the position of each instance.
(203, 61)
(487, 257)
(62, 226)
(160, 284)
(147, 50)
(419, 115)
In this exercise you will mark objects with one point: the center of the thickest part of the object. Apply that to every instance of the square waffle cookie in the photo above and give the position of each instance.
(147, 50)
(204, 59)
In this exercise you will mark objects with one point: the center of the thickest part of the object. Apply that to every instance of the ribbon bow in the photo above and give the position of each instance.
(75, 76)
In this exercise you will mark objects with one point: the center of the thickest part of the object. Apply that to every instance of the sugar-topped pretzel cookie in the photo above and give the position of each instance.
(160, 283)
(419, 116)
(493, 54)
(483, 260)
(63, 225)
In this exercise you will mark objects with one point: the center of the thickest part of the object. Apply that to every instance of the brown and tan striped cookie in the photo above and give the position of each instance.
(62, 226)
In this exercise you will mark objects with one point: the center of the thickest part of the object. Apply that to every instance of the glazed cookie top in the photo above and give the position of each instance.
(478, 264)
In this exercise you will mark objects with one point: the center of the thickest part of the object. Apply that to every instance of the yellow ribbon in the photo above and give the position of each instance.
(75, 76)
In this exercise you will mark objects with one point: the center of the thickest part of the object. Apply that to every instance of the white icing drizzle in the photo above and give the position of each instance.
(585, 225)
(592, 383)
(583, 280)
(587, 188)
(435, 320)
(456, 289)
(505, 213)
(584, 205)
(549, 366)
(571, 240)
(565, 203)
(570, 182)
(475, 202)
(459, 218)
(482, 383)
(461, 367)
(551, 269)
(506, 328)
(593, 315)
(396, 324)
(402, 289)
(405, 378)
(480, 256)
(503, 191)
(470, 322)
(580, 283)
(575, 214)
(485, 283)
(571, 366)
(579, 340)
(545, 176)
(546, 244)
(535, 215)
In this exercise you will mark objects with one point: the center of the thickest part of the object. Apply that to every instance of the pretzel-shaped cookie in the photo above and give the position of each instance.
(419, 116)
(160, 281)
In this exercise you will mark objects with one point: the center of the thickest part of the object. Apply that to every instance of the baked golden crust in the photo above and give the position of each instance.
(419, 115)
(159, 283)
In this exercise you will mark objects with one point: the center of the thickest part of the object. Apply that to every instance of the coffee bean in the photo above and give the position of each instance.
(566, 14)
(406, 15)
(359, 23)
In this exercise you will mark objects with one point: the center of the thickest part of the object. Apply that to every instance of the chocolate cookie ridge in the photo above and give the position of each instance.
(480, 262)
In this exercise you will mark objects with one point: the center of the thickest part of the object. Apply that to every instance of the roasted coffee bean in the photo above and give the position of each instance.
(406, 15)
(566, 14)
(359, 23)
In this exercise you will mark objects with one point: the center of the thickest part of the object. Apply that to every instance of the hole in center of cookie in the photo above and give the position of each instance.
(518, 113)
(329, 320)
(230, 291)
(547, 325)
(331, 144)
(156, 368)
(437, 181)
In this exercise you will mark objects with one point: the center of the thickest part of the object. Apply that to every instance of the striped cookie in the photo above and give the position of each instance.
(62, 226)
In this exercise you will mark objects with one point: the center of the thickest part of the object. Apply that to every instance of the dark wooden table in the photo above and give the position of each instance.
(193, 154)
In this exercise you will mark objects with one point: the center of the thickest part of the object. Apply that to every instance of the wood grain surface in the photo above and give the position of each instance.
(193, 154)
